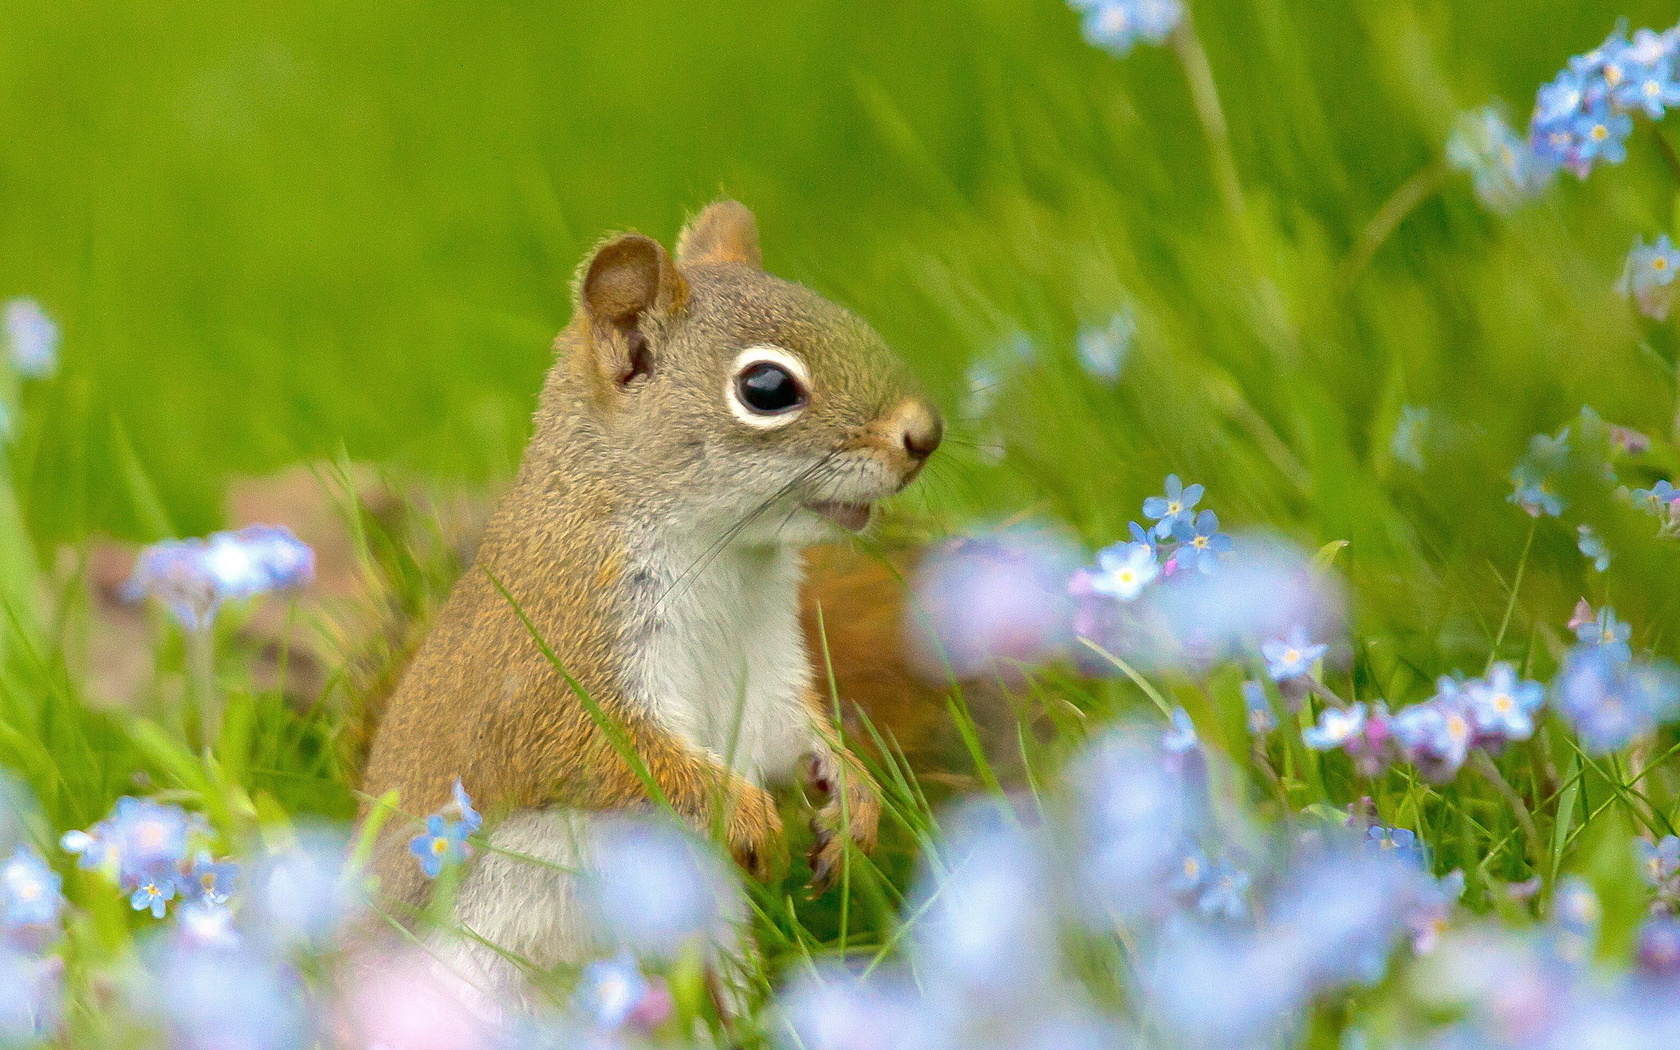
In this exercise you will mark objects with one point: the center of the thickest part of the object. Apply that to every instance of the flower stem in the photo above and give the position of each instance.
(1204, 94)
(1671, 158)
(201, 682)
(1511, 605)
(1325, 693)
(1137, 679)
(1488, 768)
(1413, 192)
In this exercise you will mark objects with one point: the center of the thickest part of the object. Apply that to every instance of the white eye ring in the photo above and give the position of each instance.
(764, 353)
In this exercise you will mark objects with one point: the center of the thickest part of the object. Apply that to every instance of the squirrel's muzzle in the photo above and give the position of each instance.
(913, 428)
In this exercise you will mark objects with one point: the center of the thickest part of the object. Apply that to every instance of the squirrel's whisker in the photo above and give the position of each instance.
(710, 554)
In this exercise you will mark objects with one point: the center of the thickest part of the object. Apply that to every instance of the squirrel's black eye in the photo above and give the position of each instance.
(769, 389)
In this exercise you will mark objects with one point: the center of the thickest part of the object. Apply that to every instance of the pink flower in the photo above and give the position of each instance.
(408, 1001)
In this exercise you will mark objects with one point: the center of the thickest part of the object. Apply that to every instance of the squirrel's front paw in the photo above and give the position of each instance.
(754, 828)
(852, 809)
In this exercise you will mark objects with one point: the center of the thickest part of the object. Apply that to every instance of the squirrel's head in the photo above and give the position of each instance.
(721, 394)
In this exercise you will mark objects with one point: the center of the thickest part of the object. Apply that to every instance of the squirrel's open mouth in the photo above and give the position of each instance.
(853, 517)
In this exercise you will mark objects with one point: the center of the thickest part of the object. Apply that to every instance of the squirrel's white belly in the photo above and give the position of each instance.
(720, 658)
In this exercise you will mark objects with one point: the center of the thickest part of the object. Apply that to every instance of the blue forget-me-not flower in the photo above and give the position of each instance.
(1648, 276)
(1166, 511)
(1292, 656)
(1115, 25)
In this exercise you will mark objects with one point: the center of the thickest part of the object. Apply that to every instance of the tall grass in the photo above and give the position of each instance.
(277, 233)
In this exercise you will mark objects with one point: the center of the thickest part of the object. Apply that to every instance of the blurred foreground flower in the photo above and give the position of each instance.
(652, 889)
(410, 1001)
(302, 892)
(210, 997)
(31, 899)
(193, 577)
(832, 1009)
(991, 604)
(31, 990)
(615, 994)
(1611, 700)
(155, 852)
(31, 339)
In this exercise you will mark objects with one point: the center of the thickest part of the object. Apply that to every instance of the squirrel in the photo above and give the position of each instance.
(703, 424)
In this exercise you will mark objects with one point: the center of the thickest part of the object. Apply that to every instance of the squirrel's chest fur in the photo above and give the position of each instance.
(714, 649)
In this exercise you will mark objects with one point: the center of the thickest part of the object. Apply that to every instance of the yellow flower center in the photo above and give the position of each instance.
(1292, 656)
(1612, 75)
(1600, 133)
(1174, 507)
(1191, 868)
(1457, 728)
(440, 846)
(1199, 541)
(1502, 702)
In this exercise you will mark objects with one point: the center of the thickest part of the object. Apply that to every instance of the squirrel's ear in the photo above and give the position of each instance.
(723, 232)
(627, 282)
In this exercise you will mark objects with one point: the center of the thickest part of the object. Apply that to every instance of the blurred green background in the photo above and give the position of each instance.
(273, 231)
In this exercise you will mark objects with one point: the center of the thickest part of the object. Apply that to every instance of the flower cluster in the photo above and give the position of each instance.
(444, 842)
(1502, 167)
(1178, 538)
(157, 853)
(1609, 697)
(192, 578)
(1116, 25)
(1224, 952)
(1585, 115)
(1437, 735)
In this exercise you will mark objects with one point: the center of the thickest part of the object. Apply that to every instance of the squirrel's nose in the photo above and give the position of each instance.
(919, 429)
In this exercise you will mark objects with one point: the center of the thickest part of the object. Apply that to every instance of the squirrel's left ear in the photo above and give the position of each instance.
(628, 282)
(723, 232)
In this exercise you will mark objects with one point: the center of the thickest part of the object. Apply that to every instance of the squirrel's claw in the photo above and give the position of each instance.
(852, 809)
(755, 830)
